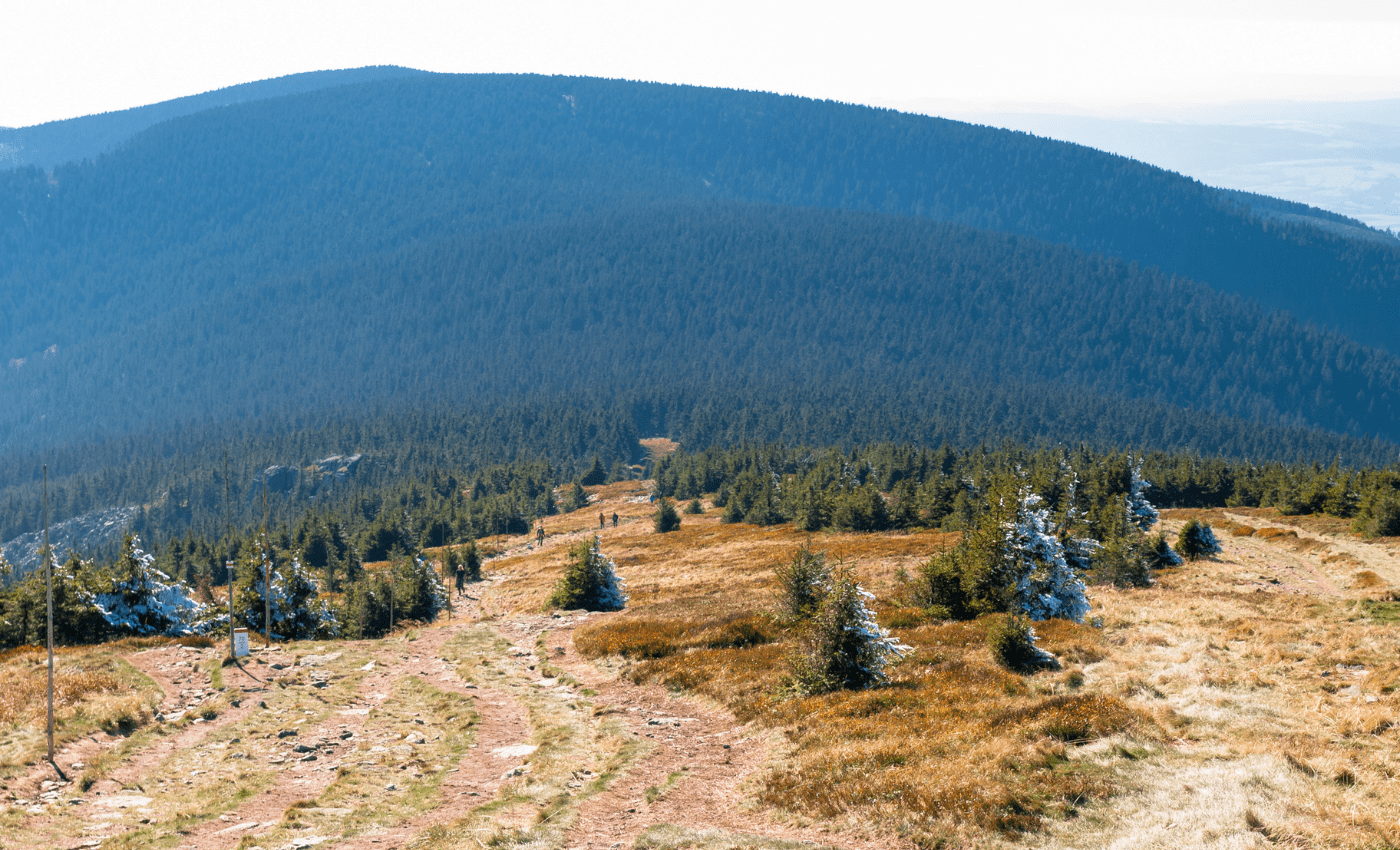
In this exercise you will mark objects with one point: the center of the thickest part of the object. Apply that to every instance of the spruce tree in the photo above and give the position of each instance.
(590, 581)
(666, 518)
(1197, 540)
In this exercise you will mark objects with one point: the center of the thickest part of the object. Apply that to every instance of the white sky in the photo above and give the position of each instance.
(63, 58)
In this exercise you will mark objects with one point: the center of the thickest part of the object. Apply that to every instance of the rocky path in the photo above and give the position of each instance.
(299, 747)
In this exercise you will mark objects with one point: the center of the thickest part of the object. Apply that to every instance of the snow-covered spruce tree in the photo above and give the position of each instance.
(1140, 511)
(298, 612)
(142, 600)
(1014, 560)
(590, 581)
(843, 646)
(1045, 583)
(1197, 540)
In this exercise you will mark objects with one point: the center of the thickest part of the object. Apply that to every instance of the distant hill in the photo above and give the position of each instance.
(74, 139)
(424, 238)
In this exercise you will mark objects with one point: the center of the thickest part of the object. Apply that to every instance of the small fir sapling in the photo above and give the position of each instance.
(1160, 554)
(590, 581)
(1197, 540)
(843, 646)
(1011, 640)
(471, 559)
(1141, 512)
(1046, 584)
(1381, 518)
(666, 518)
(419, 592)
(802, 584)
(578, 499)
(694, 507)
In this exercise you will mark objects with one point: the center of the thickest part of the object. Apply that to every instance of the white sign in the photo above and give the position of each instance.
(240, 643)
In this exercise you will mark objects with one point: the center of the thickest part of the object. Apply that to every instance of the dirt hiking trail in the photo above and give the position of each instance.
(443, 736)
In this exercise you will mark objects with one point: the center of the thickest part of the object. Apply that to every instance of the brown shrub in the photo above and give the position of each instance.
(1077, 719)
(654, 637)
(1366, 579)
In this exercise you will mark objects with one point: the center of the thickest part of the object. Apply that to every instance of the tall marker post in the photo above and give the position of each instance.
(48, 593)
(232, 653)
(267, 570)
(228, 564)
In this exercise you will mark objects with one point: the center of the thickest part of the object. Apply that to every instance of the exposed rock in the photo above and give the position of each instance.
(84, 533)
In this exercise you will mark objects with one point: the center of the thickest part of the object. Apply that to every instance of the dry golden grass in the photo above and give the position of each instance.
(1175, 712)
(24, 684)
(955, 743)
(659, 447)
(93, 689)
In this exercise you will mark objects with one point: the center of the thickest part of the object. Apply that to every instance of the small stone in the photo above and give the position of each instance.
(287, 733)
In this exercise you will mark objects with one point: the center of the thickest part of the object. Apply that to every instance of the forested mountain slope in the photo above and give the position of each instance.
(462, 240)
(246, 189)
(706, 292)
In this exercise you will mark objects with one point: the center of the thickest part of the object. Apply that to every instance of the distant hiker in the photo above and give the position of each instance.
(614, 519)
(461, 579)
(539, 534)
(602, 523)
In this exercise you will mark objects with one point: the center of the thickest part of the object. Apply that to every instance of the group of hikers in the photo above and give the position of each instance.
(539, 541)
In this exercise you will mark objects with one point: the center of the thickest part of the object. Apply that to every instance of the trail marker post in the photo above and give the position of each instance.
(232, 653)
(48, 594)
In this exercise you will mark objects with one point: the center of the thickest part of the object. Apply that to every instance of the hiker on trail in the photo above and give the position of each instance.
(614, 519)
(461, 579)
(539, 534)
(602, 523)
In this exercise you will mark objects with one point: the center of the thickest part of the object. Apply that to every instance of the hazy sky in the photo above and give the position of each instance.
(64, 58)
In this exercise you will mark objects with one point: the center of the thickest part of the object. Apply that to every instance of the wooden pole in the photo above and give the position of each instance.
(228, 568)
(267, 570)
(228, 564)
(48, 592)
